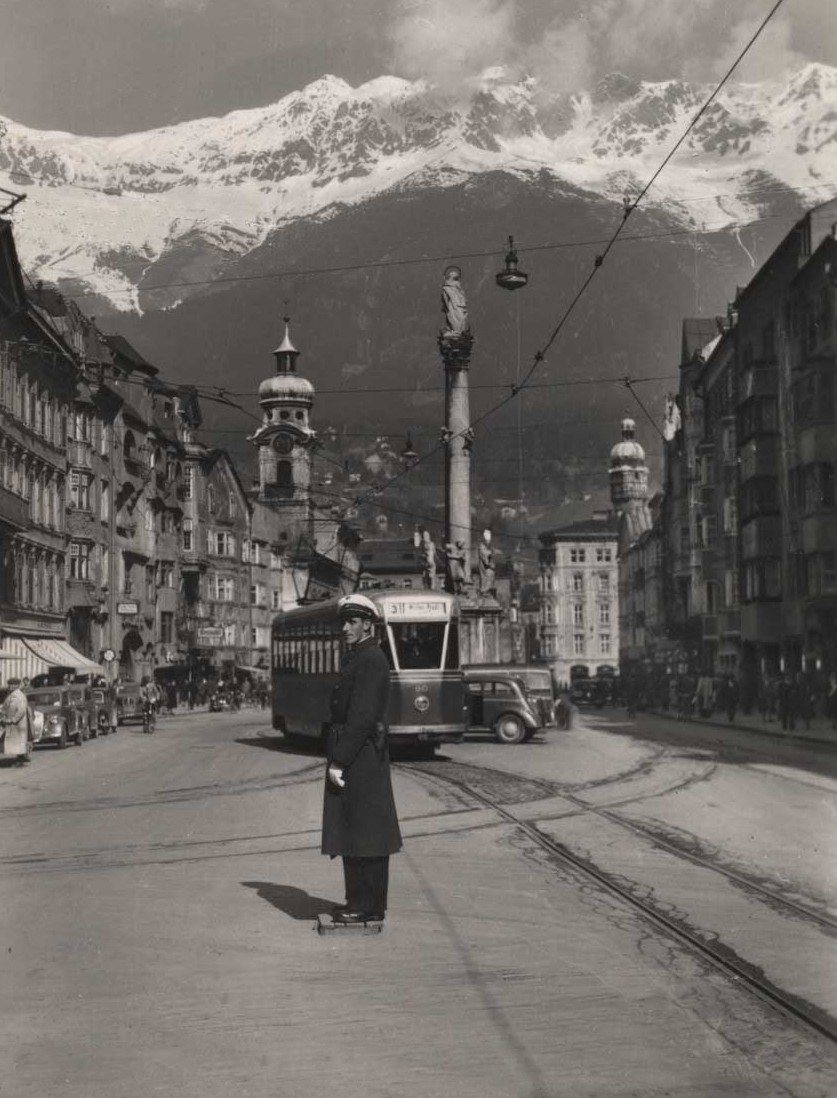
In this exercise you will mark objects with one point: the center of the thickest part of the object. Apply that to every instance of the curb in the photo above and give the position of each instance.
(801, 735)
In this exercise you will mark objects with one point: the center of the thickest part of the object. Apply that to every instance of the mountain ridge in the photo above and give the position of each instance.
(101, 209)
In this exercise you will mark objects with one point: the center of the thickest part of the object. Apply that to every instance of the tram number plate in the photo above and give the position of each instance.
(417, 611)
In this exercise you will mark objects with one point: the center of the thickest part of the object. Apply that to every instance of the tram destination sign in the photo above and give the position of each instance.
(420, 609)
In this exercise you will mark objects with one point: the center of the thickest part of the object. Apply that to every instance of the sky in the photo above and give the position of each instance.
(117, 66)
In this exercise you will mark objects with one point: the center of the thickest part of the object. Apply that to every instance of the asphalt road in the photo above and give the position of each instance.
(159, 895)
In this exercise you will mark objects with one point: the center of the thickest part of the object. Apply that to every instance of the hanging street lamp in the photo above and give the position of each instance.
(512, 278)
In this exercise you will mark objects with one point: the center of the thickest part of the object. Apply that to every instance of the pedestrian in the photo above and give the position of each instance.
(359, 819)
(831, 698)
(730, 697)
(673, 695)
(171, 697)
(804, 699)
(16, 725)
(787, 703)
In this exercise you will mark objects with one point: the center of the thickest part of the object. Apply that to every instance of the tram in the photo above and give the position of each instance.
(419, 635)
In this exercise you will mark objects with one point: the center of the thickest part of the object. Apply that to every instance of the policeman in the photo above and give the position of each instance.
(359, 817)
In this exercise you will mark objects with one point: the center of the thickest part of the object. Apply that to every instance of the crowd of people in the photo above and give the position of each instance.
(793, 700)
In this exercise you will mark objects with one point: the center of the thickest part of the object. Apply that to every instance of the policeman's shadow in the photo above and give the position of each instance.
(295, 902)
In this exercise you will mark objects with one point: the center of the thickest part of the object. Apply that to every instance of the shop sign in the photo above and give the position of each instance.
(127, 608)
(210, 636)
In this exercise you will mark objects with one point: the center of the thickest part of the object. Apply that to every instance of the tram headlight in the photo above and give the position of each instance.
(422, 703)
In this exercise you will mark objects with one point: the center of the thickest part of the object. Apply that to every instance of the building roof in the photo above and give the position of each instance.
(697, 332)
(606, 528)
(126, 351)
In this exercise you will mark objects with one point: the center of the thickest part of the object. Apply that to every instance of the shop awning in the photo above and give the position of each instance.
(35, 655)
(60, 653)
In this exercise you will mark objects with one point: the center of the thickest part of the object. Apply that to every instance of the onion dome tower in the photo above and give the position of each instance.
(628, 471)
(285, 439)
(629, 484)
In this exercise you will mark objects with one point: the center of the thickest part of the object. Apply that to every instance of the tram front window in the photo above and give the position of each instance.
(419, 645)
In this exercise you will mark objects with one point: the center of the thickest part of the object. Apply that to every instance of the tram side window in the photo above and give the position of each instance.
(419, 644)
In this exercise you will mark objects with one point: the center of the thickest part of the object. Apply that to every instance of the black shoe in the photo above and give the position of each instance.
(355, 918)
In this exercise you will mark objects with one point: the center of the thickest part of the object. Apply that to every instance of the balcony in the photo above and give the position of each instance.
(79, 454)
(758, 382)
(14, 511)
(193, 560)
(761, 622)
(761, 537)
(817, 443)
(709, 626)
(731, 622)
(819, 532)
(136, 466)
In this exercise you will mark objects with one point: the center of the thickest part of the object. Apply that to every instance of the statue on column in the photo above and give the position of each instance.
(455, 557)
(488, 585)
(454, 305)
(423, 544)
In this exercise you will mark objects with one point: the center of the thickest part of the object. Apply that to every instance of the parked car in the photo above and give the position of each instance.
(595, 692)
(128, 703)
(537, 682)
(498, 703)
(103, 706)
(62, 719)
(82, 697)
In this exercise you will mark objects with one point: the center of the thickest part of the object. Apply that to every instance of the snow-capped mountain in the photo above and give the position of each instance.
(114, 215)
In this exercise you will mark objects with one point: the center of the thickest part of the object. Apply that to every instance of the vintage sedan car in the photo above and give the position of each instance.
(128, 702)
(82, 699)
(61, 718)
(537, 684)
(497, 702)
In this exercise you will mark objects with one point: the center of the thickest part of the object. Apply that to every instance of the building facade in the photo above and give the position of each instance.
(746, 527)
(579, 598)
(38, 378)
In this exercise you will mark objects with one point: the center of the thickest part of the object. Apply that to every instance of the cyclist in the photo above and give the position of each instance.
(150, 698)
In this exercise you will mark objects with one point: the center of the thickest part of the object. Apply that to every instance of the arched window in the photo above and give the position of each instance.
(210, 499)
(231, 501)
(129, 447)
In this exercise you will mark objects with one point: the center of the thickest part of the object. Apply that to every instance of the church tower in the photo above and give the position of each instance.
(285, 439)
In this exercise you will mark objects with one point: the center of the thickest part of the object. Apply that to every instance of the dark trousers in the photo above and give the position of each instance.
(367, 881)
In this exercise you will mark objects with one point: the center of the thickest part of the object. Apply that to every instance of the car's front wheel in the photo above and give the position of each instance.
(509, 729)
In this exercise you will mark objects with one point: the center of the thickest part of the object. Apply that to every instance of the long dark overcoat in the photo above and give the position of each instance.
(360, 820)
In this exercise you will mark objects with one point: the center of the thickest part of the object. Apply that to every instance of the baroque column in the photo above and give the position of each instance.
(455, 343)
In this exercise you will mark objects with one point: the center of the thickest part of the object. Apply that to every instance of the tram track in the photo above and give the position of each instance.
(713, 952)
(770, 896)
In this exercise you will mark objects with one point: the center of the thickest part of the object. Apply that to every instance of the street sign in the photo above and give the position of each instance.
(127, 608)
(108, 655)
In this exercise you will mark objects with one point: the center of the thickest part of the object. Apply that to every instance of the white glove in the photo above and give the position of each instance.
(335, 774)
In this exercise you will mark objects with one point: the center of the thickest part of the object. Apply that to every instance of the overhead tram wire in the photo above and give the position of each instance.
(600, 259)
